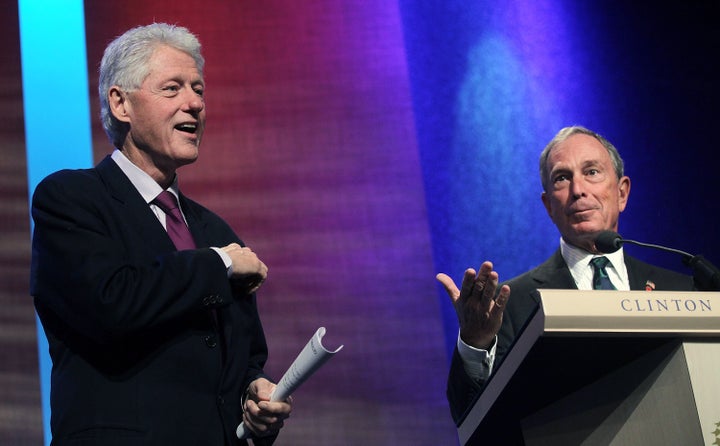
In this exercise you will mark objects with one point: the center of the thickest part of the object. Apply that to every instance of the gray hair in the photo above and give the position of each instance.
(126, 64)
(567, 132)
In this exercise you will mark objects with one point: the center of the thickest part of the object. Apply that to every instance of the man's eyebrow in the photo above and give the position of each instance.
(592, 163)
(557, 169)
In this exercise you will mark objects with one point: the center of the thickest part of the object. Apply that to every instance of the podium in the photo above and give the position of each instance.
(606, 368)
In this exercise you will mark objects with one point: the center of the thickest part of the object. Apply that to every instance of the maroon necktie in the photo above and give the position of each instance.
(181, 237)
(174, 221)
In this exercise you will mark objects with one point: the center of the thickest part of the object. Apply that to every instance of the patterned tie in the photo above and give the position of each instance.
(601, 281)
(174, 222)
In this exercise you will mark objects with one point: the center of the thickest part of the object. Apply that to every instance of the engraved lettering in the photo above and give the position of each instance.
(623, 304)
(664, 305)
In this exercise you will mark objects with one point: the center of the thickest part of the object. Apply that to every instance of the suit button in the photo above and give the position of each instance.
(212, 299)
(220, 400)
(210, 341)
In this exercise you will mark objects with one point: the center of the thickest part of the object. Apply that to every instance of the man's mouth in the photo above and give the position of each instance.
(187, 127)
(580, 212)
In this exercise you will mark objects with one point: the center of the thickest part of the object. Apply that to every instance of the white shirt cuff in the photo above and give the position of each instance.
(225, 258)
(477, 362)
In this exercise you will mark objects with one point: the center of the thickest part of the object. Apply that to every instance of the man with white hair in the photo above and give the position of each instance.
(148, 298)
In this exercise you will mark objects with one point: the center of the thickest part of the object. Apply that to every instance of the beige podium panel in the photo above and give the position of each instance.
(703, 361)
(607, 368)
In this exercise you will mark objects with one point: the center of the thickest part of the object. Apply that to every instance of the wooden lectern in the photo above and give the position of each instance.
(606, 368)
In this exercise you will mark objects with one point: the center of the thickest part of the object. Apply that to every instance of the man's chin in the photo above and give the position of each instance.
(184, 161)
(583, 236)
(188, 156)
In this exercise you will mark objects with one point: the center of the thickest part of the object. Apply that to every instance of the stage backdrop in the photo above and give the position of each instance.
(362, 146)
(20, 414)
(493, 82)
(310, 155)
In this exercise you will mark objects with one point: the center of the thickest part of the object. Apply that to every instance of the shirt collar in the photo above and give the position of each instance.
(578, 261)
(144, 183)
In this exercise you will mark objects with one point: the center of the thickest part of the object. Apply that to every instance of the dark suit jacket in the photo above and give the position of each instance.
(138, 356)
(552, 274)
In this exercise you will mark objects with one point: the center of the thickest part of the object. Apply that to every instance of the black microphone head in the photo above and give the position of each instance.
(608, 242)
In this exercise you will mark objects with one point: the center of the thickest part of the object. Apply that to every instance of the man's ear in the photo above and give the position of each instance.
(623, 192)
(119, 104)
(546, 202)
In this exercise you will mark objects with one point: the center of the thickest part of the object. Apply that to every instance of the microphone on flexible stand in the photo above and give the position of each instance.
(706, 275)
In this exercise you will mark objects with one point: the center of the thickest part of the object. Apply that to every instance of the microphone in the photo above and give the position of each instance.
(607, 242)
(706, 275)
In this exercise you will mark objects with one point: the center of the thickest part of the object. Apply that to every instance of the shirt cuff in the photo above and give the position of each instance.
(477, 362)
(225, 258)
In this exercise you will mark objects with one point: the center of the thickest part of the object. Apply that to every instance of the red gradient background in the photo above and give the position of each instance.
(310, 155)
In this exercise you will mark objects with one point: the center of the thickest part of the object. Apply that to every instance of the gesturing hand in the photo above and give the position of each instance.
(479, 311)
(246, 266)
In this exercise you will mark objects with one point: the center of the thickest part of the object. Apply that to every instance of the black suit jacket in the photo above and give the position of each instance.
(150, 346)
(552, 274)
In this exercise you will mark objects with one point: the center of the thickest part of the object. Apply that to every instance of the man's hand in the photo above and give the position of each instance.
(479, 311)
(246, 266)
(260, 415)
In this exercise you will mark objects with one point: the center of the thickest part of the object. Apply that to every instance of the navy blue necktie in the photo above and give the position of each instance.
(601, 281)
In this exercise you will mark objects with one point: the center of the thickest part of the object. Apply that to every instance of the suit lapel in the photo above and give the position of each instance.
(133, 206)
(198, 226)
(554, 274)
(199, 230)
(638, 273)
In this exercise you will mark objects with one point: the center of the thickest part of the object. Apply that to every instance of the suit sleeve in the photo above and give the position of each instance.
(462, 390)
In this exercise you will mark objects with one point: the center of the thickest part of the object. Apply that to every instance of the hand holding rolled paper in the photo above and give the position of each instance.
(311, 358)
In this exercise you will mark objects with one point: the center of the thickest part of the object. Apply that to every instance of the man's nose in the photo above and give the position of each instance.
(193, 101)
(577, 188)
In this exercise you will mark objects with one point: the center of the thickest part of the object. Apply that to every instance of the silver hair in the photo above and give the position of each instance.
(126, 64)
(567, 132)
